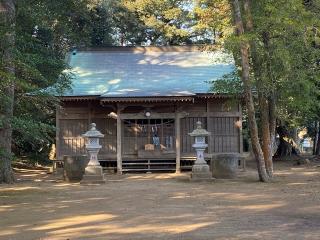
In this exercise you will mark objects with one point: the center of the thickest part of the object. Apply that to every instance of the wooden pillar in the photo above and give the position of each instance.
(119, 143)
(243, 160)
(58, 157)
(136, 135)
(89, 113)
(209, 128)
(178, 135)
(240, 130)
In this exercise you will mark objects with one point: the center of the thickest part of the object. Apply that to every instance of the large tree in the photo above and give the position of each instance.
(34, 41)
(247, 83)
(275, 50)
(7, 84)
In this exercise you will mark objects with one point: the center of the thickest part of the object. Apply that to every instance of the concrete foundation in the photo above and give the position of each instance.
(225, 165)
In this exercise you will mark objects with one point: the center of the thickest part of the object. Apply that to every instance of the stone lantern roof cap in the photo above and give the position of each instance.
(93, 132)
(199, 131)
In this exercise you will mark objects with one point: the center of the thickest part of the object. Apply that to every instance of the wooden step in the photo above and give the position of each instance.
(165, 163)
(186, 167)
(149, 165)
(148, 170)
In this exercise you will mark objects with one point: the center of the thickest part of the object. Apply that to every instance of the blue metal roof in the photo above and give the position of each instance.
(145, 73)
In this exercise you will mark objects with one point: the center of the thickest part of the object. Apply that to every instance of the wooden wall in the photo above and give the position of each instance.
(225, 136)
(108, 127)
(71, 142)
(187, 126)
(73, 120)
(218, 116)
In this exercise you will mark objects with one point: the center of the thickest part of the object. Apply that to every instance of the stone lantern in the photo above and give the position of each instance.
(200, 169)
(93, 171)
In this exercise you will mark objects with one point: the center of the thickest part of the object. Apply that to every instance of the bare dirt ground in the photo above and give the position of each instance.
(164, 206)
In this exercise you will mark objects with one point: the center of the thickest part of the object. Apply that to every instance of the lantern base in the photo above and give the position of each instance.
(201, 172)
(93, 175)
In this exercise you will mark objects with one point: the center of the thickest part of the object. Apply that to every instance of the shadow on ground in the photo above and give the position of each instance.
(163, 206)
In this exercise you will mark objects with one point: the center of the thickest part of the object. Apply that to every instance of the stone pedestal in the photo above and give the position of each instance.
(93, 175)
(74, 167)
(225, 166)
(201, 172)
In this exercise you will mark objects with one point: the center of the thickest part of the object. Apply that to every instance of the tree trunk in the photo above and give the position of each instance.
(263, 101)
(256, 147)
(318, 145)
(272, 122)
(315, 141)
(284, 148)
(6, 110)
(287, 147)
(267, 112)
(265, 134)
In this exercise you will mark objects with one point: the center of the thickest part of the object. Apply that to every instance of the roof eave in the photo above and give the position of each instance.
(79, 98)
(149, 98)
(218, 95)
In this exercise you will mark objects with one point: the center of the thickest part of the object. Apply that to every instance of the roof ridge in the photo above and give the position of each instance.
(181, 48)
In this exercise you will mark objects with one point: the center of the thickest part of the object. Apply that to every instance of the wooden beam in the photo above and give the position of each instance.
(214, 114)
(153, 115)
(224, 114)
(119, 142)
(107, 156)
(142, 116)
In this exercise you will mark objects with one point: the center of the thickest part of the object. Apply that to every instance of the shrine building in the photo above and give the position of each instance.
(145, 100)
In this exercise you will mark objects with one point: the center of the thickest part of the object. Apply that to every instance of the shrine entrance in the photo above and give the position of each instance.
(148, 137)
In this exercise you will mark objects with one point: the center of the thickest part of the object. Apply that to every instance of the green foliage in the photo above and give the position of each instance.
(102, 24)
(154, 22)
(44, 32)
(289, 59)
(166, 21)
(213, 20)
(32, 136)
(128, 28)
(284, 56)
(228, 84)
(139, 22)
